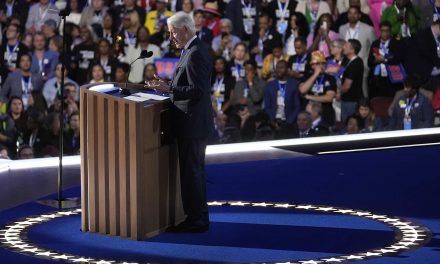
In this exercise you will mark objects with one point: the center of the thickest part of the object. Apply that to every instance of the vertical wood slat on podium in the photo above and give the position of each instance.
(129, 182)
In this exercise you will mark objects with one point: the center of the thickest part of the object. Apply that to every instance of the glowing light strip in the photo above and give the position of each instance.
(103, 88)
(265, 145)
(377, 148)
(43, 163)
(411, 235)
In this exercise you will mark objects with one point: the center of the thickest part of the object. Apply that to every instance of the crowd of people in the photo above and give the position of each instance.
(282, 68)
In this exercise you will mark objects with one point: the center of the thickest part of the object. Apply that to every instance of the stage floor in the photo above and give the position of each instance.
(377, 206)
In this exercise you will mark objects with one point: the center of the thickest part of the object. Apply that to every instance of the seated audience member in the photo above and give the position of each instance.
(318, 127)
(22, 82)
(52, 86)
(270, 61)
(44, 60)
(25, 152)
(354, 125)
(352, 79)
(36, 136)
(16, 112)
(83, 55)
(320, 87)
(224, 44)
(97, 74)
(299, 64)
(298, 27)
(303, 123)
(413, 109)
(249, 91)
(222, 86)
(153, 18)
(121, 72)
(323, 35)
(149, 72)
(71, 135)
(236, 64)
(4, 154)
(371, 122)
(7, 131)
(384, 52)
(202, 32)
(281, 102)
(105, 57)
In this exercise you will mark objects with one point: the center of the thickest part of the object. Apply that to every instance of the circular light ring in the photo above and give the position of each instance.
(409, 235)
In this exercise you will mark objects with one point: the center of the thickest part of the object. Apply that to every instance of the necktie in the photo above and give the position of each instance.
(183, 51)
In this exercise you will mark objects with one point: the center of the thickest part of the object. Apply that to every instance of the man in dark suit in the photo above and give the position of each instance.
(192, 118)
(281, 102)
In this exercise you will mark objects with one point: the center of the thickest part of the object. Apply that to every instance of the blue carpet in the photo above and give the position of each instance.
(400, 182)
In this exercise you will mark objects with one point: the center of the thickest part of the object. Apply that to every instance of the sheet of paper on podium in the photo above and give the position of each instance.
(150, 96)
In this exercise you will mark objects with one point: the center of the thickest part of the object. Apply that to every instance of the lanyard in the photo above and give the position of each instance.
(10, 52)
(238, 69)
(247, 9)
(355, 34)
(281, 88)
(42, 14)
(218, 84)
(26, 86)
(409, 105)
(299, 62)
(321, 80)
(260, 41)
(131, 39)
(384, 47)
(313, 13)
(283, 11)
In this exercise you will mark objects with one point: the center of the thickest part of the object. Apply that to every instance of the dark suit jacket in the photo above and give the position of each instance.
(423, 56)
(192, 114)
(273, 39)
(292, 104)
(394, 53)
(235, 13)
(421, 114)
(20, 8)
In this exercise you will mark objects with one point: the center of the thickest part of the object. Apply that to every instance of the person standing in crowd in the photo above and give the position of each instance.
(105, 57)
(75, 7)
(187, 7)
(121, 72)
(336, 60)
(384, 52)
(343, 6)
(320, 87)
(222, 84)
(142, 43)
(299, 64)
(355, 29)
(126, 38)
(413, 109)
(192, 118)
(280, 11)
(9, 8)
(212, 18)
(108, 28)
(322, 36)
(265, 40)
(202, 32)
(83, 55)
(44, 61)
(11, 51)
(52, 86)
(403, 17)
(312, 9)
(119, 11)
(249, 91)
(22, 82)
(94, 16)
(154, 17)
(39, 13)
(298, 27)
(97, 73)
(236, 65)
(224, 44)
(424, 58)
(281, 102)
(343, 16)
(244, 16)
(352, 79)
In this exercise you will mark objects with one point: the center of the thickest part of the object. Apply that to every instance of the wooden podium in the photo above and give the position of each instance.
(130, 184)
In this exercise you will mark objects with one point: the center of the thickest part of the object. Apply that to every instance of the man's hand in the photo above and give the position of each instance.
(158, 84)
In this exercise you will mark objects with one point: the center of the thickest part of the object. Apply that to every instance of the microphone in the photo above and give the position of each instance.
(144, 54)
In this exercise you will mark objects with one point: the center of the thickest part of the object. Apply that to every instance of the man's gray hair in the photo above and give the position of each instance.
(226, 22)
(182, 19)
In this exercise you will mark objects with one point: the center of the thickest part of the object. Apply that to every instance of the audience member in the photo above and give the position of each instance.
(297, 27)
(403, 17)
(299, 64)
(39, 13)
(44, 61)
(244, 15)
